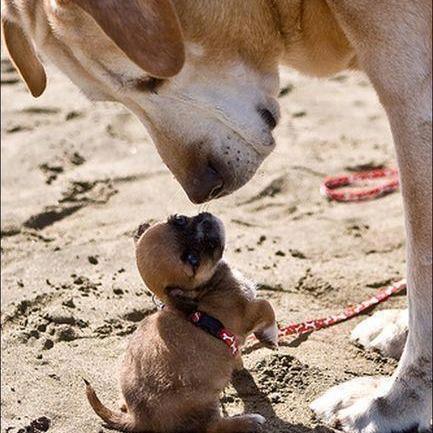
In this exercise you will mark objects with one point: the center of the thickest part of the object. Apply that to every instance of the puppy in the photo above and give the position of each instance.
(181, 358)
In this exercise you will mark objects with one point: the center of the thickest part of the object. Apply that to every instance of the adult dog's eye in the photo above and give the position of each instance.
(179, 220)
(148, 84)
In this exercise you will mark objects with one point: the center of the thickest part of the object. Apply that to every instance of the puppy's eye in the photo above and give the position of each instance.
(179, 220)
(192, 259)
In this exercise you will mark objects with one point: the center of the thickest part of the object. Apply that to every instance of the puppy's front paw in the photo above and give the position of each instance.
(269, 344)
(268, 336)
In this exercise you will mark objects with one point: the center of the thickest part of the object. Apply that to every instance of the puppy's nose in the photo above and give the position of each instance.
(206, 187)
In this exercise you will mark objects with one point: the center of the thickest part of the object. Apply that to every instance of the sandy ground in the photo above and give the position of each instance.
(78, 178)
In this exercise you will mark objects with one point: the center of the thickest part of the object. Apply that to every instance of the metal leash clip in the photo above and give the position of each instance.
(159, 305)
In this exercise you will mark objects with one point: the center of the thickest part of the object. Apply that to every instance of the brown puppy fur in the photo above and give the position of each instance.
(174, 372)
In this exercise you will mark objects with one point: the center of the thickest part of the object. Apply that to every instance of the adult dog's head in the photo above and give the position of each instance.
(201, 75)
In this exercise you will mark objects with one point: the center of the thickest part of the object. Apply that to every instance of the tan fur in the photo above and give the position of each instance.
(172, 367)
(209, 113)
(393, 41)
(154, 39)
(160, 271)
(24, 57)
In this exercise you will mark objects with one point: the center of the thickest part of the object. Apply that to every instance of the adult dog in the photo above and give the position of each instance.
(202, 76)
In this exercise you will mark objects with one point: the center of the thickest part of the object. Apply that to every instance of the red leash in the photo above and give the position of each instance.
(329, 189)
(331, 186)
(351, 311)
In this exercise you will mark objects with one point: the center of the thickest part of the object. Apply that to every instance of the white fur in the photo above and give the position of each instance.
(270, 334)
(360, 406)
(385, 331)
(194, 50)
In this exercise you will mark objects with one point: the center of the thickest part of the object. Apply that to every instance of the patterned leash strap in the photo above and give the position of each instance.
(330, 187)
(301, 328)
(350, 312)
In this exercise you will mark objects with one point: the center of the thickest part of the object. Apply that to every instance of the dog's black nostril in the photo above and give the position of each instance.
(268, 117)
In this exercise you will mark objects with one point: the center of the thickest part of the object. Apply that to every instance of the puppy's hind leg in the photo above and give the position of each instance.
(250, 423)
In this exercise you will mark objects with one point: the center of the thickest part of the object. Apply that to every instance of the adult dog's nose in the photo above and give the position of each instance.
(269, 118)
(207, 186)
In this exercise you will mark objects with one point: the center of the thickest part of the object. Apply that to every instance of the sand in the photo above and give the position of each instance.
(79, 177)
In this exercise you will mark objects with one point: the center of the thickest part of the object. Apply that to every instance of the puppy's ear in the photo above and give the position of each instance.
(147, 31)
(141, 229)
(24, 57)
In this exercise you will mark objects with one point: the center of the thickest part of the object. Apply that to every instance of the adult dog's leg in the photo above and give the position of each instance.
(393, 42)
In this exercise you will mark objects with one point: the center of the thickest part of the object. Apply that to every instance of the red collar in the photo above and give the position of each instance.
(210, 325)
(215, 328)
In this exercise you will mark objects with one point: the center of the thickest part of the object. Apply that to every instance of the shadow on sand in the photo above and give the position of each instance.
(257, 402)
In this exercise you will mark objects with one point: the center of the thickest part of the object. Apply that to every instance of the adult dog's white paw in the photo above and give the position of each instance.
(385, 331)
(359, 406)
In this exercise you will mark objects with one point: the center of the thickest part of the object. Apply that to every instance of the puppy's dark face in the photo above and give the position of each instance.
(180, 253)
(201, 240)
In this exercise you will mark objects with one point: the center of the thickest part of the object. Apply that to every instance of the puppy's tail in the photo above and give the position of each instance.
(119, 421)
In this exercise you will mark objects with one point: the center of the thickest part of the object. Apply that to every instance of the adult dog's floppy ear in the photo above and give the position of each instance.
(147, 31)
(24, 57)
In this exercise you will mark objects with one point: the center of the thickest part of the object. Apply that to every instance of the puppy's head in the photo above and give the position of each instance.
(180, 253)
